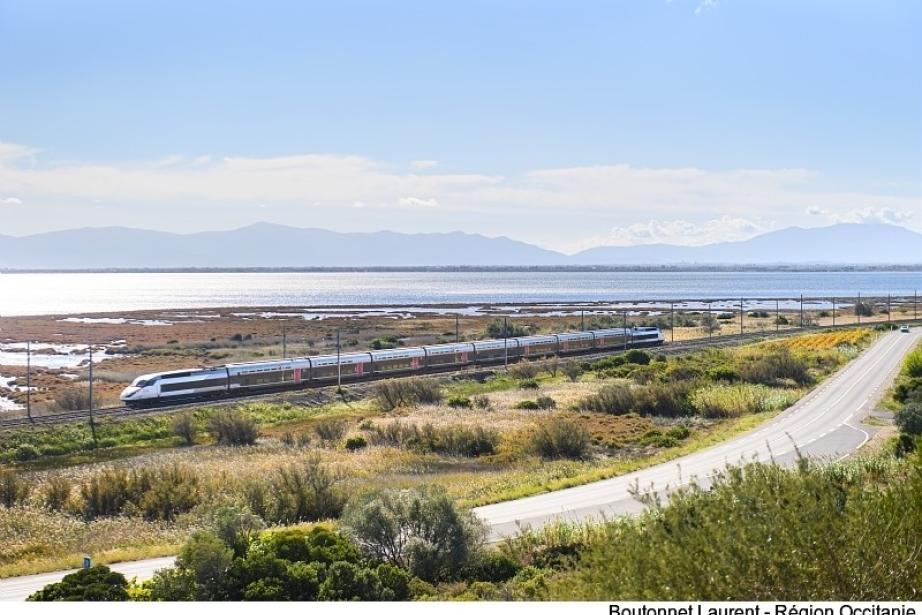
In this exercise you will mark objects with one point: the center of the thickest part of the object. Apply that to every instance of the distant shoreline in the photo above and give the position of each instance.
(786, 268)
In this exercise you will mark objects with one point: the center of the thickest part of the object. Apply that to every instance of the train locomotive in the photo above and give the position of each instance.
(239, 379)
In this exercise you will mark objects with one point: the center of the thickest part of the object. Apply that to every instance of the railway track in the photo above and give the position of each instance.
(322, 394)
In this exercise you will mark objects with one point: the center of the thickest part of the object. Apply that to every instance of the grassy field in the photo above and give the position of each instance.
(517, 434)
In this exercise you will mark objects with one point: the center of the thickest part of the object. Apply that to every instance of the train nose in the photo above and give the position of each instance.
(128, 393)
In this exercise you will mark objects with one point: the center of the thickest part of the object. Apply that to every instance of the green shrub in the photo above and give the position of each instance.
(561, 439)
(482, 402)
(406, 393)
(492, 566)
(908, 389)
(331, 432)
(545, 402)
(169, 492)
(236, 527)
(572, 370)
(384, 343)
(774, 366)
(96, 584)
(183, 427)
(306, 491)
(459, 402)
(356, 443)
(14, 489)
(105, 493)
(56, 493)
(679, 432)
(733, 400)
(610, 399)
(527, 404)
(608, 363)
(73, 399)
(498, 329)
(458, 440)
(638, 357)
(420, 530)
(912, 364)
(233, 428)
(865, 539)
(26, 452)
(909, 419)
(531, 383)
(656, 438)
(523, 370)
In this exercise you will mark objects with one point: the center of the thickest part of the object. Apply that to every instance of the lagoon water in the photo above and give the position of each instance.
(75, 293)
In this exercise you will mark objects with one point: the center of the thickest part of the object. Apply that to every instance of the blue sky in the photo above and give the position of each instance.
(567, 124)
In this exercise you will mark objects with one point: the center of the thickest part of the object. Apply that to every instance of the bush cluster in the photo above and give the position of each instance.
(561, 439)
(233, 428)
(407, 393)
(456, 440)
(304, 491)
(162, 493)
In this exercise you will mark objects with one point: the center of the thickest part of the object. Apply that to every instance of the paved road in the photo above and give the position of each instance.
(826, 425)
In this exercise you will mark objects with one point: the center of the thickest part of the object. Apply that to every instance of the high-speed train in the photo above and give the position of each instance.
(238, 379)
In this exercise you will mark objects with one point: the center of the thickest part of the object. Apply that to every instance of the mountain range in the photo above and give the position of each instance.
(271, 245)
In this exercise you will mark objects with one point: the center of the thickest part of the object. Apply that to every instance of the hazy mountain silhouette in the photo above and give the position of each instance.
(271, 245)
(840, 243)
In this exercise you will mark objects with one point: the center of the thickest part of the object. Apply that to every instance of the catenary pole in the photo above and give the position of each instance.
(284, 341)
(888, 310)
(457, 328)
(741, 315)
(710, 324)
(92, 418)
(672, 324)
(624, 322)
(29, 380)
(858, 308)
(833, 312)
(801, 311)
(777, 315)
(505, 342)
(339, 366)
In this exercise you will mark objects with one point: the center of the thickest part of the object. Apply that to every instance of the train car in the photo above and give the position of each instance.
(352, 366)
(267, 374)
(646, 336)
(538, 346)
(493, 351)
(398, 361)
(242, 378)
(445, 355)
(576, 342)
(176, 385)
(612, 338)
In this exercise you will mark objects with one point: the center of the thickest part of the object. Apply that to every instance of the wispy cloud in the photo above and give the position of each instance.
(10, 200)
(555, 206)
(706, 5)
(424, 164)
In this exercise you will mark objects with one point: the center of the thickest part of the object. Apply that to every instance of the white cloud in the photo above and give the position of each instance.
(865, 215)
(558, 206)
(424, 164)
(10, 200)
(413, 202)
(706, 5)
(683, 232)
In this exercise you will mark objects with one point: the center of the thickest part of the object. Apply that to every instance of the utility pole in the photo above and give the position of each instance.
(457, 328)
(92, 419)
(505, 343)
(858, 308)
(339, 366)
(582, 320)
(29, 380)
(777, 316)
(710, 324)
(624, 316)
(801, 311)
(284, 341)
(888, 310)
(833, 312)
(672, 325)
(741, 315)
(915, 305)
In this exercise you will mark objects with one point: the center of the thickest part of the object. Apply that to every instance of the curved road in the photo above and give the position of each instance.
(826, 424)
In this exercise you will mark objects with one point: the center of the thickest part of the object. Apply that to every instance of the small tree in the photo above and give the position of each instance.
(572, 370)
(909, 419)
(207, 559)
(183, 427)
(234, 429)
(236, 526)
(421, 530)
(14, 489)
(97, 584)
